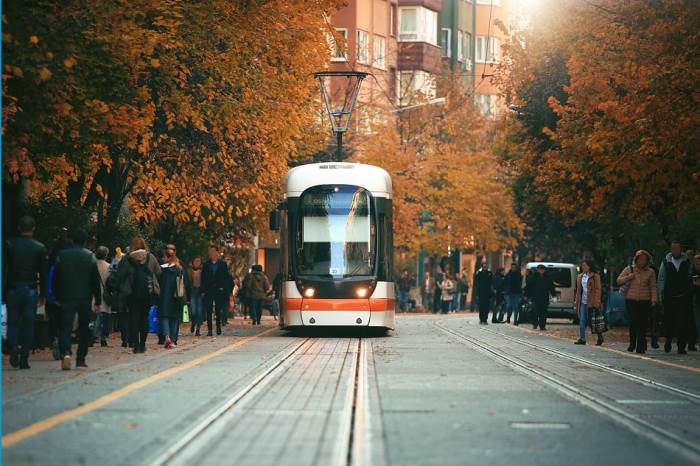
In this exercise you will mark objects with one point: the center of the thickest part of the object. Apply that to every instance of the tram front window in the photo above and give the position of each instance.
(337, 232)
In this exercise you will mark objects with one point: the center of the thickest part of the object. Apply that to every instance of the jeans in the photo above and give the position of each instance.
(53, 312)
(170, 326)
(196, 316)
(484, 301)
(105, 324)
(678, 321)
(427, 300)
(639, 317)
(69, 309)
(446, 305)
(275, 309)
(582, 320)
(513, 306)
(138, 320)
(402, 297)
(256, 309)
(21, 312)
(457, 302)
(214, 304)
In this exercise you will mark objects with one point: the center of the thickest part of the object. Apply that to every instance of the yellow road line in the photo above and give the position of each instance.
(624, 353)
(50, 422)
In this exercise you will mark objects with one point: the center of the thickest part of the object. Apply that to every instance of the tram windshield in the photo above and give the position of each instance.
(337, 232)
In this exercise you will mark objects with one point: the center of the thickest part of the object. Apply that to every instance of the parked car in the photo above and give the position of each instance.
(564, 277)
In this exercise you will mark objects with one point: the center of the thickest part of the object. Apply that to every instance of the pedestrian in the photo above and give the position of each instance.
(258, 285)
(437, 302)
(674, 290)
(483, 286)
(195, 276)
(587, 299)
(277, 293)
(403, 288)
(174, 290)
(538, 290)
(77, 284)
(641, 295)
(215, 288)
(138, 275)
(120, 312)
(24, 285)
(512, 292)
(499, 295)
(104, 309)
(52, 307)
(695, 296)
(447, 288)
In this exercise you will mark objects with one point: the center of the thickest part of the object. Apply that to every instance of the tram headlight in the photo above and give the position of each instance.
(361, 292)
(309, 292)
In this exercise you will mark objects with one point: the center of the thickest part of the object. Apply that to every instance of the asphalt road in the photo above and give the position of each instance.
(440, 390)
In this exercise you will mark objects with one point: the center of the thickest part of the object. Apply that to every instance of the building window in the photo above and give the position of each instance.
(418, 24)
(338, 45)
(487, 103)
(379, 57)
(446, 42)
(488, 51)
(362, 47)
(392, 20)
(463, 46)
(416, 86)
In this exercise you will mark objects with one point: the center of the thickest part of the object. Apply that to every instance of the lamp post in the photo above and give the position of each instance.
(339, 90)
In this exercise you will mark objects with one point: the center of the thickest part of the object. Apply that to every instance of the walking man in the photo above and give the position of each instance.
(675, 292)
(513, 288)
(77, 282)
(404, 287)
(215, 289)
(483, 286)
(24, 267)
(258, 285)
(539, 289)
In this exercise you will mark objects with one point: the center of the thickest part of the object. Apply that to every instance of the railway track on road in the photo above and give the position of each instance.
(586, 397)
(347, 419)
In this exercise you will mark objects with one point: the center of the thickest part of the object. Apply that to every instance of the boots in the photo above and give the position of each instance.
(655, 342)
(600, 340)
(667, 345)
(14, 357)
(196, 332)
(24, 360)
(192, 327)
(103, 343)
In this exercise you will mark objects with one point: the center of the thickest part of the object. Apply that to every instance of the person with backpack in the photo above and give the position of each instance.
(639, 283)
(257, 285)
(138, 274)
(104, 308)
(78, 290)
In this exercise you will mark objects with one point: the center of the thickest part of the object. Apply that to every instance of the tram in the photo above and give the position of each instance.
(336, 247)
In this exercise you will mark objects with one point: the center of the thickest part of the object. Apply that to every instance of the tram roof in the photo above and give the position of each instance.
(374, 179)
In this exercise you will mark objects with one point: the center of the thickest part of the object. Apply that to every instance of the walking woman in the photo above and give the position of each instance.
(447, 287)
(587, 299)
(195, 276)
(174, 285)
(138, 274)
(640, 296)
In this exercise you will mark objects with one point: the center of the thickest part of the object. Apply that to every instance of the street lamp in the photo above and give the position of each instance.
(339, 90)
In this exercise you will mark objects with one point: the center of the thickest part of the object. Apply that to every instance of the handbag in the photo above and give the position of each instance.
(598, 324)
(180, 286)
(185, 313)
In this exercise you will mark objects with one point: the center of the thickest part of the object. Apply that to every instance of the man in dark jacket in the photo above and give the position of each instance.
(539, 288)
(24, 266)
(499, 298)
(77, 282)
(215, 288)
(512, 288)
(258, 285)
(675, 289)
(483, 286)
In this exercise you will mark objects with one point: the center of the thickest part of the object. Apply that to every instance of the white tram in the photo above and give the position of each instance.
(336, 246)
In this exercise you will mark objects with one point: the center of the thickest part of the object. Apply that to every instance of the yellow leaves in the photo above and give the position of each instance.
(44, 74)
(69, 62)
(155, 63)
(33, 40)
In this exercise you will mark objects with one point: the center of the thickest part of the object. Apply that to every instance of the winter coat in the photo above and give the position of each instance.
(642, 281)
(513, 283)
(103, 269)
(595, 291)
(126, 267)
(256, 285)
(448, 287)
(539, 288)
(483, 283)
(76, 276)
(216, 282)
(674, 283)
(169, 305)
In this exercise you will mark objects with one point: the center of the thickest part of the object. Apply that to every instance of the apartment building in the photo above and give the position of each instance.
(487, 53)
(457, 22)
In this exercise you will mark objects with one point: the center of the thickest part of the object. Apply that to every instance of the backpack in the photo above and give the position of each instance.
(142, 286)
(110, 292)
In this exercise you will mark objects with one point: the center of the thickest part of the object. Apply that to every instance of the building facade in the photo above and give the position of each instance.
(457, 22)
(487, 53)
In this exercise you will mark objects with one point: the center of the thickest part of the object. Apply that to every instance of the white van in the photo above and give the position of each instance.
(564, 277)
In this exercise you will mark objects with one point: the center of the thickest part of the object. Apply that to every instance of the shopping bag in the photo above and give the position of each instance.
(153, 323)
(185, 313)
(4, 322)
(598, 321)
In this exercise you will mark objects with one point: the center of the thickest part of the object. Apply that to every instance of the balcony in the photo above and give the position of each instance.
(419, 56)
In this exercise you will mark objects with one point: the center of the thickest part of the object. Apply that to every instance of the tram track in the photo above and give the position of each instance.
(587, 398)
(349, 447)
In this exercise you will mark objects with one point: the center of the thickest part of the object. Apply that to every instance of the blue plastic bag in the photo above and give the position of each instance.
(153, 323)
